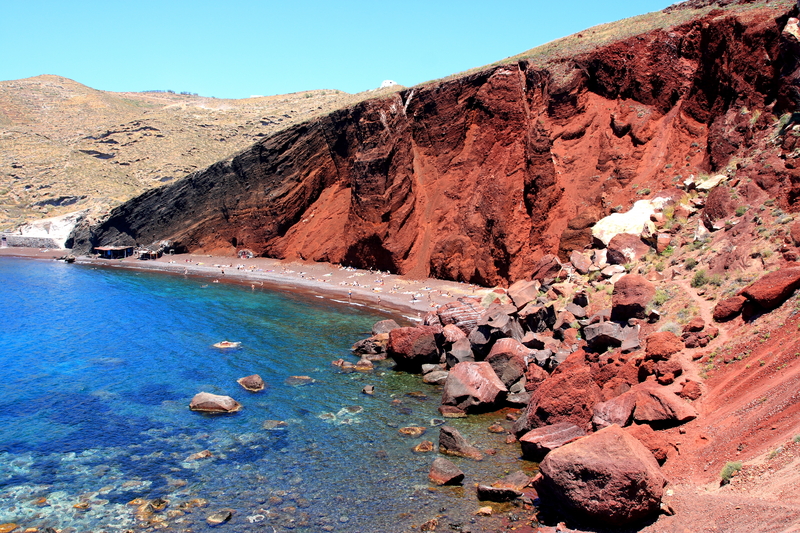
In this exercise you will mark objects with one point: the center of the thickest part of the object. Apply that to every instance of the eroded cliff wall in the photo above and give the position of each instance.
(473, 179)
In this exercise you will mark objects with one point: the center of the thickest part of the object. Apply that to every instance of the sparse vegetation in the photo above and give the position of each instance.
(690, 263)
(741, 210)
(661, 297)
(730, 468)
(700, 278)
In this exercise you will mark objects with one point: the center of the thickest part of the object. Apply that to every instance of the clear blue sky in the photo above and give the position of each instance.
(238, 48)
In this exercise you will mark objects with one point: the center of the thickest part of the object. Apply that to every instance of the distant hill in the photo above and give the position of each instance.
(65, 146)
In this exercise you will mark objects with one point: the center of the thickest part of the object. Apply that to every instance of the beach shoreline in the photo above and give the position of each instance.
(390, 294)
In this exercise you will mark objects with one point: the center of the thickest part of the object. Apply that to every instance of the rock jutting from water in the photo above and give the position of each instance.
(214, 403)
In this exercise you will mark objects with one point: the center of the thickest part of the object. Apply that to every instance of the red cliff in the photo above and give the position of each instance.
(475, 178)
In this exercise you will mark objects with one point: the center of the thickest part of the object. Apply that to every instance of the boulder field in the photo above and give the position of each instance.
(596, 391)
(476, 178)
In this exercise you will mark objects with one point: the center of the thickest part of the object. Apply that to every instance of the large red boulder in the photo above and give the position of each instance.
(646, 404)
(661, 408)
(413, 347)
(472, 386)
(580, 261)
(568, 395)
(729, 308)
(626, 248)
(662, 345)
(652, 440)
(522, 292)
(632, 293)
(617, 411)
(548, 269)
(771, 290)
(463, 313)
(608, 477)
(507, 358)
(719, 206)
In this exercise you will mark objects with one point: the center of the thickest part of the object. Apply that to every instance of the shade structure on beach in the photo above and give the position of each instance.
(114, 252)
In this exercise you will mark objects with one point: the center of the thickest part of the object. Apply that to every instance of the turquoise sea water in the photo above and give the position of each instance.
(97, 369)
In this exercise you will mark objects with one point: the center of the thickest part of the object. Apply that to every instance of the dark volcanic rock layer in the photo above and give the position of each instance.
(475, 178)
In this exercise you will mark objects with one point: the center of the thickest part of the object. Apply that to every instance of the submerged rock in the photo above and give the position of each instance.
(218, 518)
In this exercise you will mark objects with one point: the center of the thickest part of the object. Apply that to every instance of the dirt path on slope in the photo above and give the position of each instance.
(688, 356)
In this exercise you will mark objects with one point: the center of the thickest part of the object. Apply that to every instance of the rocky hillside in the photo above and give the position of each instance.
(65, 146)
(476, 177)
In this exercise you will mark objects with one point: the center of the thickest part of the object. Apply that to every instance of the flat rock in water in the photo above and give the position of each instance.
(214, 403)
(252, 383)
(412, 431)
(444, 472)
(423, 447)
(218, 518)
(452, 442)
(437, 377)
(489, 493)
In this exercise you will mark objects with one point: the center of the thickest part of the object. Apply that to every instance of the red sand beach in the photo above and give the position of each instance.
(378, 290)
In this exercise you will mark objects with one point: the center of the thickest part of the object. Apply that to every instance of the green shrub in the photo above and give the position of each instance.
(729, 469)
(661, 297)
(796, 438)
(690, 263)
(659, 266)
(741, 210)
(716, 280)
(700, 278)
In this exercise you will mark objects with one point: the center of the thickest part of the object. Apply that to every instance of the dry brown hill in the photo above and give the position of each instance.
(65, 146)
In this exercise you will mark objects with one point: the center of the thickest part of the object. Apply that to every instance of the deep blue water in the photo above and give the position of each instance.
(97, 369)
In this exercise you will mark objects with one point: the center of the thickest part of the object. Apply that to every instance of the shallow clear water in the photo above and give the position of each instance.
(97, 369)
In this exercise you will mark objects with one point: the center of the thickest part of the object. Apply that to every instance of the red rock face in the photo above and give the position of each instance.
(476, 178)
